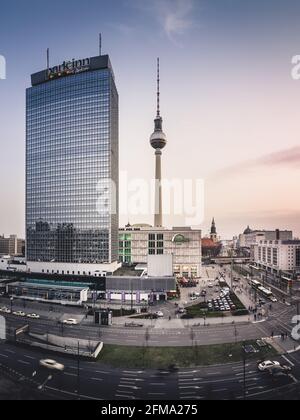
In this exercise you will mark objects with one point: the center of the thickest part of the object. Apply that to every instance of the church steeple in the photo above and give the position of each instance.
(213, 231)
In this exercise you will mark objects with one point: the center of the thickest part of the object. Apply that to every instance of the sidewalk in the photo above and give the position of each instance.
(183, 323)
(288, 346)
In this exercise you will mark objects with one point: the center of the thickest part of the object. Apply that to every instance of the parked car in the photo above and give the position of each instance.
(160, 314)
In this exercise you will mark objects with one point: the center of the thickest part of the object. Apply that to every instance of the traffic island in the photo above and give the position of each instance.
(170, 358)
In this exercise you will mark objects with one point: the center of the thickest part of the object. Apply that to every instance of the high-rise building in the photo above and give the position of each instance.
(158, 141)
(72, 169)
(12, 246)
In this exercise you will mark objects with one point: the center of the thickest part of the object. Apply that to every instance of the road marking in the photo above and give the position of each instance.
(220, 390)
(132, 380)
(10, 351)
(257, 388)
(293, 378)
(287, 360)
(4, 355)
(130, 387)
(23, 362)
(131, 397)
(74, 394)
(156, 393)
(70, 374)
(97, 379)
(29, 357)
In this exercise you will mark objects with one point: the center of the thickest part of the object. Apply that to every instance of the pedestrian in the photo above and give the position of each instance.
(272, 335)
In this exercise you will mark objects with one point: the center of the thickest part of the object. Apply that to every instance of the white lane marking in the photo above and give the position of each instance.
(97, 379)
(156, 393)
(293, 378)
(4, 355)
(23, 362)
(70, 374)
(30, 358)
(130, 397)
(287, 360)
(73, 394)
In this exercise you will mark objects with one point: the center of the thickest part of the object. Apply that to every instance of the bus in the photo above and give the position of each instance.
(266, 293)
(255, 284)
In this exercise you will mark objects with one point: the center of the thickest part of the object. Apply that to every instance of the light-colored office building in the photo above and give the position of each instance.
(277, 256)
(139, 242)
(252, 237)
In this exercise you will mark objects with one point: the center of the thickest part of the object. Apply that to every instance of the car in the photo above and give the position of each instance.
(19, 313)
(210, 285)
(160, 314)
(33, 316)
(203, 293)
(181, 311)
(5, 310)
(193, 298)
(268, 365)
(197, 294)
(273, 299)
(52, 365)
(70, 322)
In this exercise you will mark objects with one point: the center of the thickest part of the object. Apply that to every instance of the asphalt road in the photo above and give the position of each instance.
(278, 322)
(98, 382)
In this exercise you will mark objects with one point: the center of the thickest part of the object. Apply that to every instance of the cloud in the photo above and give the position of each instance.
(284, 158)
(175, 17)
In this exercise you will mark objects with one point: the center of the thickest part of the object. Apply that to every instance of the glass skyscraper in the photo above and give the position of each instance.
(72, 168)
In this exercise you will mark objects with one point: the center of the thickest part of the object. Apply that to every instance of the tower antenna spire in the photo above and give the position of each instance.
(48, 61)
(48, 58)
(100, 44)
(158, 87)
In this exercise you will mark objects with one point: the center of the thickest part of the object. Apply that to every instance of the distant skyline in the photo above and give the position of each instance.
(230, 106)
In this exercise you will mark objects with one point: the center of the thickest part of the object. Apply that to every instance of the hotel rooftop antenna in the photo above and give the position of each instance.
(48, 61)
(100, 44)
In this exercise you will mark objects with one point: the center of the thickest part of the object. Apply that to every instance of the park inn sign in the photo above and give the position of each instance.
(69, 67)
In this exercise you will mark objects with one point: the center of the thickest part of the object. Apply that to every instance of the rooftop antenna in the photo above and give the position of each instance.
(158, 87)
(48, 61)
(100, 44)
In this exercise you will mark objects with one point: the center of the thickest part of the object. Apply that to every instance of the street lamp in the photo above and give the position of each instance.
(42, 386)
(11, 304)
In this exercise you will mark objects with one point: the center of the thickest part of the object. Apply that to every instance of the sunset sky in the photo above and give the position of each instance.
(230, 106)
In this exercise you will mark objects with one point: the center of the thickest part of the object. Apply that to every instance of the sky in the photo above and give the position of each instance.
(230, 106)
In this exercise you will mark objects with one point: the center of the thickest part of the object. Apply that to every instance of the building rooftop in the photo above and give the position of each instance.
(129, 271)
(49, 286)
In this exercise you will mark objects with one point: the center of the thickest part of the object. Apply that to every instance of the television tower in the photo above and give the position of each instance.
(158, 141)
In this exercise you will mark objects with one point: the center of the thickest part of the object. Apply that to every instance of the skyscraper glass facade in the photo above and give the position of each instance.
(71, 158)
